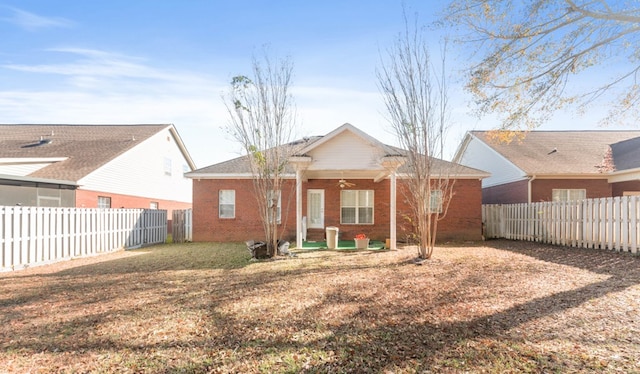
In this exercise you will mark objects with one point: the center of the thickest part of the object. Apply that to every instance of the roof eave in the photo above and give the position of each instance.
(624, 175)
(478, 176)
(182, 147)
(569, 175)
(38, 180)
(228, 176)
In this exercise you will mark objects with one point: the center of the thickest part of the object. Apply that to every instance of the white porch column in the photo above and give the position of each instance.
(392, 212)
(298, 208)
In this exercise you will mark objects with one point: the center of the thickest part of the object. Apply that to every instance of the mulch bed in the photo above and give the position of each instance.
(498, 306)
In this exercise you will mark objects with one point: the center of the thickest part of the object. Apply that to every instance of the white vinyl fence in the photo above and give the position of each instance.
(606, 223)
(36, 235)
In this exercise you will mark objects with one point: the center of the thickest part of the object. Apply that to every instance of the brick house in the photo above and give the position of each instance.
(94, 166)
(345, 179)
(554, 165)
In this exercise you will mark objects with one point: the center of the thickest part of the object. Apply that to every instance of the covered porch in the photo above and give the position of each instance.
(343, 245)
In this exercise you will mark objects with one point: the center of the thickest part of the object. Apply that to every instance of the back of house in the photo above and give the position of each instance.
(553, 165)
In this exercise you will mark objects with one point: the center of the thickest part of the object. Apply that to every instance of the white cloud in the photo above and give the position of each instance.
(97, 63)
(33, 22)
(104, 87)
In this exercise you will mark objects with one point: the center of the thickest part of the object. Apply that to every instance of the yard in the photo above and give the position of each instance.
(498, 306)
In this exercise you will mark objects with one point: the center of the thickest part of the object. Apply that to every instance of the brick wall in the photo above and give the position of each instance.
(618, 189)
(508, 193)
(89, 199)
(207, 226)
(464, 221)
(541, 189)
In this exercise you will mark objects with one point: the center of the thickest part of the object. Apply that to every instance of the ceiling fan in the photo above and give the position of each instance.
(342, 183)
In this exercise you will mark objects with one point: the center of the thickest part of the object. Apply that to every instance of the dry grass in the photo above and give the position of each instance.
(502, 307)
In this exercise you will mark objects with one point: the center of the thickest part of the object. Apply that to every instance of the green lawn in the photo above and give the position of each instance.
(492, 307)
(342, 245)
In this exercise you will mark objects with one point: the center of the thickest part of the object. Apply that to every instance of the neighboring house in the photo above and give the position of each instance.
(554, 165)
(345, 179)
(94, 166)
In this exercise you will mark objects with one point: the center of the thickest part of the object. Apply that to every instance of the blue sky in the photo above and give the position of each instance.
(169, 61)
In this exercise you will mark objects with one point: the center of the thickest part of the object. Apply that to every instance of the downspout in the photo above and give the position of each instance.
(298, 208)
(392, 212)
(531, 179)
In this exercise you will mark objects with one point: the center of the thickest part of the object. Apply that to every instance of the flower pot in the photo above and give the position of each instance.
(362, 243)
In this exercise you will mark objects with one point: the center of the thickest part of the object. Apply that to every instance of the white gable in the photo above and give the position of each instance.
(25, 166)
(154, 168)
(346, 151)
(479, 155)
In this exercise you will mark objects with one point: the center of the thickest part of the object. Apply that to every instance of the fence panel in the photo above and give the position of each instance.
(36, 235)
(182, 226)
(605, 223)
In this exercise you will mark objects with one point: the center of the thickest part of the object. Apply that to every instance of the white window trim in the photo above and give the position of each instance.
(168, 166)
(436, 206)
(567, 194)
(104, 199)
(220, 204)
(357, 206)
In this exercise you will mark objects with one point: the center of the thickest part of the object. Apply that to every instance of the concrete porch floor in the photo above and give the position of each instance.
(342, 245)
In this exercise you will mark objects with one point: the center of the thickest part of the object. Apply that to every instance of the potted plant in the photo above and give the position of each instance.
(362, 242)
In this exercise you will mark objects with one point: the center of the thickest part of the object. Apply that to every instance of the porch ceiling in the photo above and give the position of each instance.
(346, 174)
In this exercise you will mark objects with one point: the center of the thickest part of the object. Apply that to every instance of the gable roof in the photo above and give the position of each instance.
(567, 152)
(239, 167)
(76, 149)
(388, 150)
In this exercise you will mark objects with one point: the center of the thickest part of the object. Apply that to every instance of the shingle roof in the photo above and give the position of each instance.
(87, 147)
(568, 152)
(240, 165)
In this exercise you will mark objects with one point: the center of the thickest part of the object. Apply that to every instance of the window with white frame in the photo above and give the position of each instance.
(153, 205)
(227, 204)
(275, 197)
(104, 202)
(356, 206)
(167, 166)
(568, 194)
(436, 201)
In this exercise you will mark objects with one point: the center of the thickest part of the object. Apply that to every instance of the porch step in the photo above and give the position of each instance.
(315, 234)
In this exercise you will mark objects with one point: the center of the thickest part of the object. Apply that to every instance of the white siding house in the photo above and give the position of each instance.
(477, 154)
(130, 166)
(142, 171)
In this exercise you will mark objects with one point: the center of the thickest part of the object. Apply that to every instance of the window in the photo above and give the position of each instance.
(227, 204)
(167, 166)
(436, 201)
(104, 202)
(568, 194)
(275, 197)
(153, 205)
(356, 206)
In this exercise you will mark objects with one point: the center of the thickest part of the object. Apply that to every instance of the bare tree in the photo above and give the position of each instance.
(530, 52)
(416, 99)
(263, 120)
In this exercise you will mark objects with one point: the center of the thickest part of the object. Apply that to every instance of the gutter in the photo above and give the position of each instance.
(531, 179)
